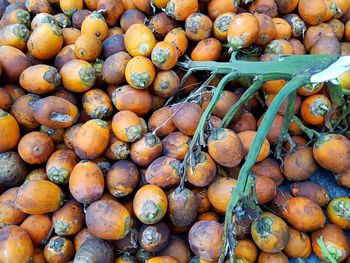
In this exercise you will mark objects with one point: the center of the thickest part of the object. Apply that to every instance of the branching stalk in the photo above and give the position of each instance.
(254, 151)
(201, 125)
(243, 99)
(309, 132)
(288, 115)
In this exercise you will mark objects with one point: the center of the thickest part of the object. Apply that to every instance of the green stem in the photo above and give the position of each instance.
(288, 115)
(284, 66)
(324, 250)
(345, 91)
(204, 119)
(246, 96)
(261, 134)
(344, 114)
(309, 132)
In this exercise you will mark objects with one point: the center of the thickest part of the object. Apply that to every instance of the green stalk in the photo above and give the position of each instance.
(246, 96)
(309, 132)
(284, 66)
(324, 250)
(344, 114)
(345, 91)
(254, 151)
(201, 125)
(288, 115)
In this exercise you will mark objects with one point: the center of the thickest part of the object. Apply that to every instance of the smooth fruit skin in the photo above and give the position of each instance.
(9, 131)
(13, 62)
(69, 219)
(37, 227)
(15, 245)
(9, 213)
(139, 40)
(108, 219)
(45, 42)
(35, 147)
(220, 191)
(304, 214)
(225, 147)
(39, 197)
(140, 72)
(40, 79)
(86, 182)
(299, 244)
(332, 152)
(92, 139)
(243, 30)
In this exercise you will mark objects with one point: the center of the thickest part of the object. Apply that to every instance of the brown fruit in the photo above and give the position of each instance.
(311, 190)
(69, 219)
(265, 189)
(299, 244)
(225, 147)
(108, 219)
(13, 170)
(59, 249)
(35, 147)
(303, 214)
(38, 228)
(95, 250)
(55, 112)
(9, 213)
(144, 151)
(92, 139)
(176, 145)
(113, 70)
(278, 257)
(15, 245)
(220, 191)
(164, 172)
(182, 207)
(300, 164)
(178, 249)
(205, 238)
(13, 62)
(270, 168)
(161, 121)
(186, 117)
(154, 238)
(122, 178)
(93, 182)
